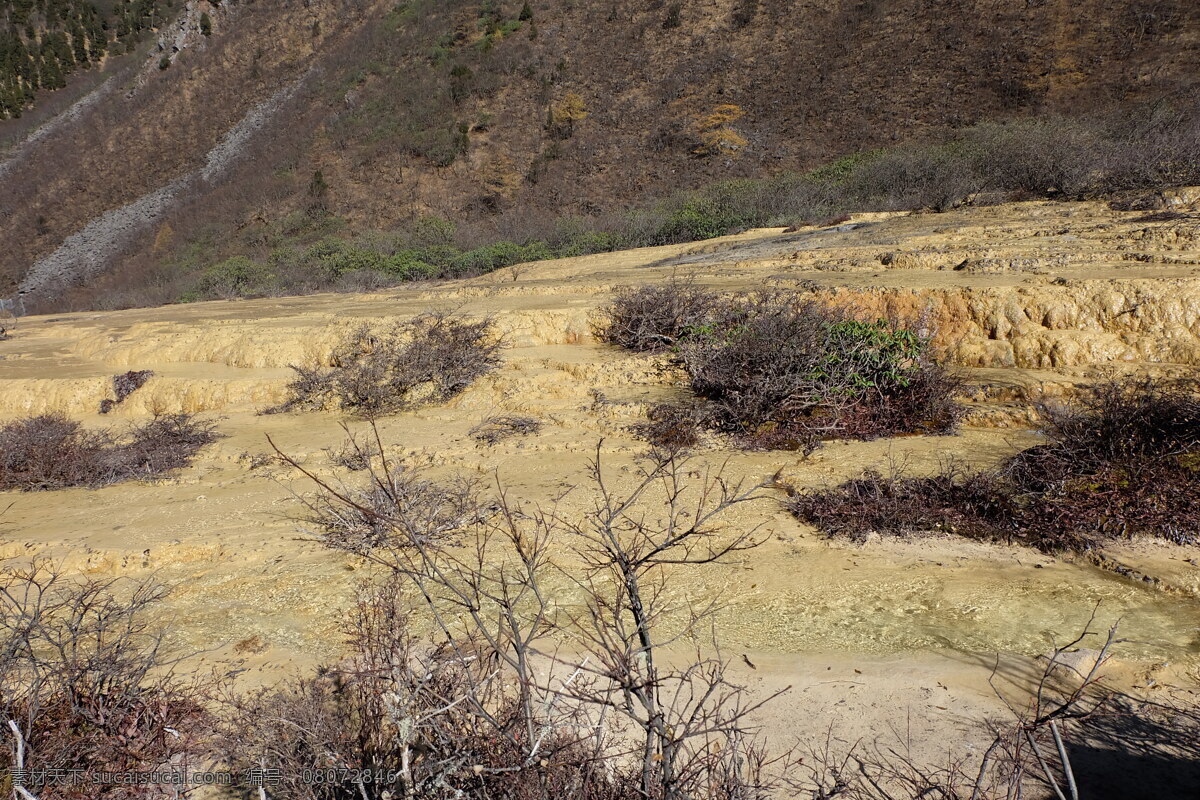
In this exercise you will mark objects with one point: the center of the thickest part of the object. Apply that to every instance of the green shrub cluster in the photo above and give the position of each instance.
(333, 262)
(780, 371)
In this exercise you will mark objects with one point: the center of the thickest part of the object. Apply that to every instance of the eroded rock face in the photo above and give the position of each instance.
(1028, 285)
(1050, 326)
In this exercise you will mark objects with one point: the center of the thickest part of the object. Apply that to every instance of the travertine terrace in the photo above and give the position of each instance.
(1031, 300)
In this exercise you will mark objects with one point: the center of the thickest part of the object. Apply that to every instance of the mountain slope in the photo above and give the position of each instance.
(502, 116)
(42, 42)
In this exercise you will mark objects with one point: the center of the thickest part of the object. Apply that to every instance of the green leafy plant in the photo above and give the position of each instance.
(235, 277)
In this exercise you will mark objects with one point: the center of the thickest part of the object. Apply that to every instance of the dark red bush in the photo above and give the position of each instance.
(86, 677)
(670, 427)
(1123, 461)
(53, 452)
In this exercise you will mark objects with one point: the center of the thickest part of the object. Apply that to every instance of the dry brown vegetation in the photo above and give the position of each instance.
(421, 721)
(464, 679)
(671, 427)
(124, 385)
(1123, 462)
(53, 452)
(494, 706)
(87, 685)
(653, 316)
(430, 358)
(140, 126)
(306, 252)
(499, 427)
(479, 567)
(353, 454)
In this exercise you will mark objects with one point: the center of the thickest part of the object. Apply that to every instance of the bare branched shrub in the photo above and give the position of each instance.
(1123, 461)
(430, 358)
(1046, 156)
(1041, 157)
(53, 452)
(254, 461)
(48, 452)
(690, 720)
(124, 385)
(361, 519)
(88, 685)
(467, 714)
(610, 720)
(922, 177)
(499, 427)
(167, 442)
(353, 454)
(418, 720)
(653, 316)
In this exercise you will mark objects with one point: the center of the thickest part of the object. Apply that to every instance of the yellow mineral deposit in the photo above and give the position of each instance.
(1030, 299)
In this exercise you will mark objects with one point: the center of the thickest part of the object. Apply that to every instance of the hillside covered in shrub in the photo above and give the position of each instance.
(540, 125)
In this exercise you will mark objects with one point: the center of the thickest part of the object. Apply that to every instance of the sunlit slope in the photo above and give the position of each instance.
(1030, 299)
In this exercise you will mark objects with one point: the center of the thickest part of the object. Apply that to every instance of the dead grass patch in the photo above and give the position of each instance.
(499, 427)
